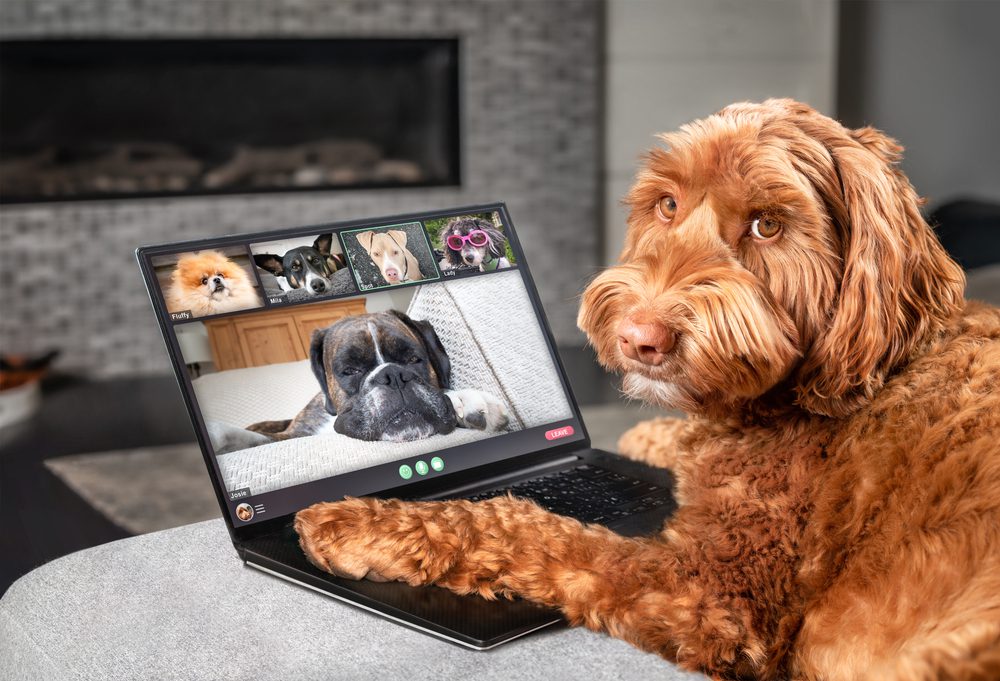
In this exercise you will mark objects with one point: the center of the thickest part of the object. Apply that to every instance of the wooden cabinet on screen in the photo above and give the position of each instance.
(273, 336)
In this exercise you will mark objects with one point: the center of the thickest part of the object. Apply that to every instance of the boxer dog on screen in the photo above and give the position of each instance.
(385, 376)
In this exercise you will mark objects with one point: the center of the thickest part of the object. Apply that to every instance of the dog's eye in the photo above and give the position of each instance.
(414, 360)
(204, 280)
(296, 265)
(666, 208)
(349, 371)
(218, 274)
(765, 226)
(395, 252)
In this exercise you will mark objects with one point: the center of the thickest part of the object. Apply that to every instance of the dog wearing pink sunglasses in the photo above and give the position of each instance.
(470, 241)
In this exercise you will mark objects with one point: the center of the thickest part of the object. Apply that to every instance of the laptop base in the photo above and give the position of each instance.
(469, 621)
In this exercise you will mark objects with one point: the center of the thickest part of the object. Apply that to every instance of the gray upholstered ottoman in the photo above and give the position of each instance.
(179, 604)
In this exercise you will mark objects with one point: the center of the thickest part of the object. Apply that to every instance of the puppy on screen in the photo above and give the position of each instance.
(207, 283)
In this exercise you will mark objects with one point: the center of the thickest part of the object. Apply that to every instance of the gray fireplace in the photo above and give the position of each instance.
(137, 118)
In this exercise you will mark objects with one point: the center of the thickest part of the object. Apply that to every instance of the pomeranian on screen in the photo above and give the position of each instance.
(207, 283)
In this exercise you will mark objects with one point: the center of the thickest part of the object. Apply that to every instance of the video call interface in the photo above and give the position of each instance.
(343, 359)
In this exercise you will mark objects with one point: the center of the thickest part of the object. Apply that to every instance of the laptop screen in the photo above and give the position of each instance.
(349, 359)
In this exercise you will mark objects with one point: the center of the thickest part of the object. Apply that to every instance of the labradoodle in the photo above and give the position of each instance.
(839, 475)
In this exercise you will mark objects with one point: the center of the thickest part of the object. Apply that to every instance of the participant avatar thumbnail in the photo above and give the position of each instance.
(207, 282)
(301, 268)
(474, 242)
(389, 256)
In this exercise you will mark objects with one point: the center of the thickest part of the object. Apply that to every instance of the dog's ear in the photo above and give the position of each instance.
(399, 235)
(318, 365)
(323, 243)
(498, 242)
(271, 263)
(440, 361)
(366, 239)
(446, 230)
(336, 261)
(898, 284)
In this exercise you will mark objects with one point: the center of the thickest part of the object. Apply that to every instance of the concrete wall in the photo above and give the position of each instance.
(670, 61)
(927, 74)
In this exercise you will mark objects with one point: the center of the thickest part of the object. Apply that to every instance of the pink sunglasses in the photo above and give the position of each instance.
(476, 237)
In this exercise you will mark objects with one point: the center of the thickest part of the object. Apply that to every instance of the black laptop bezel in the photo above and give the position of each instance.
(240, 534)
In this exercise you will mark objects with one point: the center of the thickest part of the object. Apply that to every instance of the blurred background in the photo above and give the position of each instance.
(130, 123)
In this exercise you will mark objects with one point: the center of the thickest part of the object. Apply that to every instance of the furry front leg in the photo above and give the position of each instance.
(456, 544)
(654, 441)
(395, 540)
(636, 589)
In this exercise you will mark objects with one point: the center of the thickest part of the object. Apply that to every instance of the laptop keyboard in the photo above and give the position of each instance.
(588, 493)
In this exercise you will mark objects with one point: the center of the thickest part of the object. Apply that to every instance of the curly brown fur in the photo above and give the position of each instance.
(839, 474)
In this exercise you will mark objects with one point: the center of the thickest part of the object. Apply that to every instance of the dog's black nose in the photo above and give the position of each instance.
(395, 376)
(318, 285)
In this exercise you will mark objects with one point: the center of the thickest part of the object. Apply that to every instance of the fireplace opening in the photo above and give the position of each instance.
(89, 119)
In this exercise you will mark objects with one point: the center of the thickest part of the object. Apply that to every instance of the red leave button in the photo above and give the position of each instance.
(557, 433)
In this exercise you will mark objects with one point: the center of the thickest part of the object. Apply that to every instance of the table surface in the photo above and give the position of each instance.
(180, 604)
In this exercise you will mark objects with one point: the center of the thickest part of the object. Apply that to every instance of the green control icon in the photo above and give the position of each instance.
(437, 463)
(421, 467)
(405, 472)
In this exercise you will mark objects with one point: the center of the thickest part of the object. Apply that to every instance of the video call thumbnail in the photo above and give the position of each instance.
(310, 391)
(389, 256)
(208, 282)
(475, 242)
(300, 269)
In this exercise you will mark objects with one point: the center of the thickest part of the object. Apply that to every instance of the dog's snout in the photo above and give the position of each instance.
(395, 377)
(318, 285)
(645, 341)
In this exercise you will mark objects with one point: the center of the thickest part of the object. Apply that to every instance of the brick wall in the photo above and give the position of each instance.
(531, 74)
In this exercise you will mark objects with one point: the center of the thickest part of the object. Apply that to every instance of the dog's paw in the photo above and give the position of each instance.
(479, 410)
(654, 442)
(337, 537)
(380, 540)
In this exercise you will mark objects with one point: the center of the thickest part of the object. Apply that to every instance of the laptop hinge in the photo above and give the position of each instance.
(486, 483)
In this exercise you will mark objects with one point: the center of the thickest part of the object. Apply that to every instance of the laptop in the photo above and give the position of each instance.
(334, 360)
